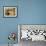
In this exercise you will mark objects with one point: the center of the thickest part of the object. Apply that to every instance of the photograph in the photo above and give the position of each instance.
(10, 11)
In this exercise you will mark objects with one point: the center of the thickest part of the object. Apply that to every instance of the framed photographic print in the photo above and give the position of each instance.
(10, 11)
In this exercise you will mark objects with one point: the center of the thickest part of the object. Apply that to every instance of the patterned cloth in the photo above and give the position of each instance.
(29, 34)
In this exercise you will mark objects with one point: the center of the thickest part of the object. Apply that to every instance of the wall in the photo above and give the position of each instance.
(7, 25)
(32, 11)
(29, 12)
